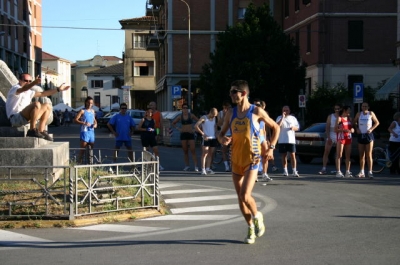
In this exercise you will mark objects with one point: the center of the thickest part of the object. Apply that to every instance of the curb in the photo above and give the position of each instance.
(104, 218)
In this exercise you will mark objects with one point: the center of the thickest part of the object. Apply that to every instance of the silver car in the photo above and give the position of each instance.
(310, 144)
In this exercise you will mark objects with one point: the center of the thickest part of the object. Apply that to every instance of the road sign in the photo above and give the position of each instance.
(302, 101)
(358, 95)
(176, 91)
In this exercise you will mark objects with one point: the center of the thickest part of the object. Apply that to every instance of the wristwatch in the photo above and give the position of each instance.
(272, 146)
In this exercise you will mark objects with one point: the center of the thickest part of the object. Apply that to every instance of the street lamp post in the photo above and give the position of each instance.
(189, 59)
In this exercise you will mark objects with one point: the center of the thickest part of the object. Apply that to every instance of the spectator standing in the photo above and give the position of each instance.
(331, 136)
(225, 148)
(287, 139)
(187, 135)
(148, 133)
(86, 118)
(243, 121)
(122, 126)
(264, 140)
(21, 110)
(365, 123)
(343, 130)
(394, 143)
(157, 117)
(207, 127)
(67, 117)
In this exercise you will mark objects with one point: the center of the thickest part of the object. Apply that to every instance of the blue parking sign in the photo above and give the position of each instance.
(358, 95)
(176, 91)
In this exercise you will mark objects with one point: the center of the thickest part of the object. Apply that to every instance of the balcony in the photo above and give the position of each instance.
(153, 42)
(156, 2)
(152, 11)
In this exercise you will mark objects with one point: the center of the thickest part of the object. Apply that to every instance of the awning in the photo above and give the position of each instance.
(391, 87)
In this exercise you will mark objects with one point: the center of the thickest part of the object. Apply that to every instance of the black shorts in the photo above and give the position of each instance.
(149, 141)
(285, 148)
(187, 136)
(210, 143)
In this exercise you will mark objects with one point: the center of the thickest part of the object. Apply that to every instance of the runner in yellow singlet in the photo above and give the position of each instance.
(243, 120)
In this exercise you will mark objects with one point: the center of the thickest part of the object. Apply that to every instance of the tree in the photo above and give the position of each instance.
(256, 50)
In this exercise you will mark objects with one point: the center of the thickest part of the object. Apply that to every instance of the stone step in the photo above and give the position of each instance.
(22, 142)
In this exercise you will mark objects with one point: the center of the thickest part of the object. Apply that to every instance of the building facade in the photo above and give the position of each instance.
(181, 53)
(343, 41)
(53, 66)
(79, 82)
(104, 85)
(21, 36)
(139, 63)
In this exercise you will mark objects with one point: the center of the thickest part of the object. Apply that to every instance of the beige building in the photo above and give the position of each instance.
(79, 82)
(139, 64)
(56, 71)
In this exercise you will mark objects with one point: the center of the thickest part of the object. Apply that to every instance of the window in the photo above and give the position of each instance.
(84, 93)
(143, 68)
(241, 12)
(96, 83)
(355, 35)
(286, 8)
(297, 38)
(296, 5)
(115, 99)
(309, 38)
(139, 41)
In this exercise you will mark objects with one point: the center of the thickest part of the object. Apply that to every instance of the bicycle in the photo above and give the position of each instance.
(382, 158)
(217, 156)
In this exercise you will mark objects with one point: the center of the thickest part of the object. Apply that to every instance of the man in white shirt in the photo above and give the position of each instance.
(287, 139)
(21, 110)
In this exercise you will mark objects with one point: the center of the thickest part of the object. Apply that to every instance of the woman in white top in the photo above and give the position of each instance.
(394, 143)
(365, 122)
(208, 130)
(330, 136)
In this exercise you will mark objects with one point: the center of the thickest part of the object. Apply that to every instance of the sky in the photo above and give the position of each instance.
(62, 18)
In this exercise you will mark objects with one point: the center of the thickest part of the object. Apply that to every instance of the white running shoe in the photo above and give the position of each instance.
(295, 174)
(348, 175)
(339, 174)
(266, 178)
(187, 168)
(196, 169)
(259, 226)
(370, 175)
(251, 236)
(285, 173)
(203, 172)
(210, 172)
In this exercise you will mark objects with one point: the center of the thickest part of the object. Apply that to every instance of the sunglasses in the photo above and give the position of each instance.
(28, 81)
(235, 91)
(124, 108)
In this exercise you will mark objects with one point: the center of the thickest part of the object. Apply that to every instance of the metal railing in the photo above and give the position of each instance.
(78, 190)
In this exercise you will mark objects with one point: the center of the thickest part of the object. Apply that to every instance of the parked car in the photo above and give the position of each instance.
(310, 144)
(136, 115)
(102, 122)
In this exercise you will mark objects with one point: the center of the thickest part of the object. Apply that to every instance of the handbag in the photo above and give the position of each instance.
(365, 138)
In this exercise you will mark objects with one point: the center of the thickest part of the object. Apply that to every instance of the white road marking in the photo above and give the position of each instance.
(203, 198)
(11, 237)
(207, 208)
(172, 217)
(119, 228)
(169, 192)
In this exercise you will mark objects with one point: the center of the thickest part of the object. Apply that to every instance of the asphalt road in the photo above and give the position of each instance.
(310, 220)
